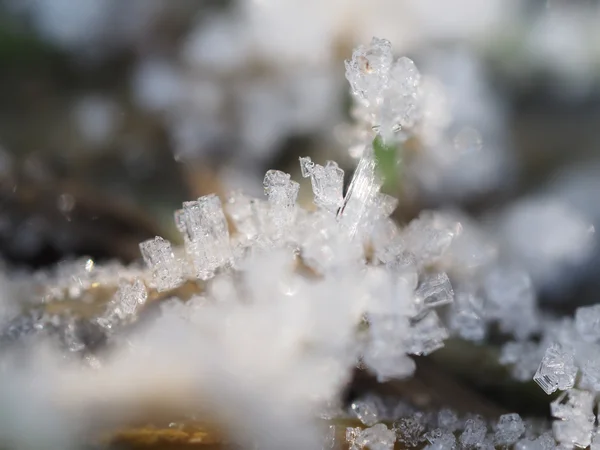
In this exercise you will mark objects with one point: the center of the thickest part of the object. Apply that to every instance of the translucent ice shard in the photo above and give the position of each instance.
(365, 411)
(327, 183)
(353, 216)
(282, 193)
(433, 291)
(509, 429)
(587, 322)
(427, 335)
(165, 268)
(557, 370)
(130, 297)
(205, 233)
(430, 235)
(378, 437)
(386, 241)
(125, 304)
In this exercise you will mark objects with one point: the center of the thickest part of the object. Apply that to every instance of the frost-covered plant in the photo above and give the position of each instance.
(261, 324)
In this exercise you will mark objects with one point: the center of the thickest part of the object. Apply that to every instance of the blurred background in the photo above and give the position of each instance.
(114, 112)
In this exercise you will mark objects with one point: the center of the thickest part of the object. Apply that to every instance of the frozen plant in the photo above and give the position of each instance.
(264, 318)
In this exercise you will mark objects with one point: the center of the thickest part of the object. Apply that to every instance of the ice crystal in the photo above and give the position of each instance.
(576, 419)
(387, 89)
(433, 291)
(355, 212)
(327, 183)
(165, 268)
(427, 335)
(378, 437)
(281, 192)
(365, 411)
(205, 233)
(557, 370)
(410, 430)
(441, 440)
(509, 429)
(125, 304)
(474, 432)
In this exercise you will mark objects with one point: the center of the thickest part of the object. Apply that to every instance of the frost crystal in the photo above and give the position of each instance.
(576, 419)
(361, 196)
(474, 432)
(130, 297)
(509, 429)
(327, 183)
(365, 411)
(281, 193)
(378, 437)
(368, 70)
(125, 304)
(433, 291)
(557, 370)
(441, 440)
(205, 233)
(429, 236)
(587, 323)
(427, 335)
(165, 268)
(388, 90)
(410, 430)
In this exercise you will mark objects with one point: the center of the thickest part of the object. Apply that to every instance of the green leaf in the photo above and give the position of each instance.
(388, 163)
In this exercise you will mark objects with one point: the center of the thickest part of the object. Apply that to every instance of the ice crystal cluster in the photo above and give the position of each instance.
(259, 320)
(386, 89)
